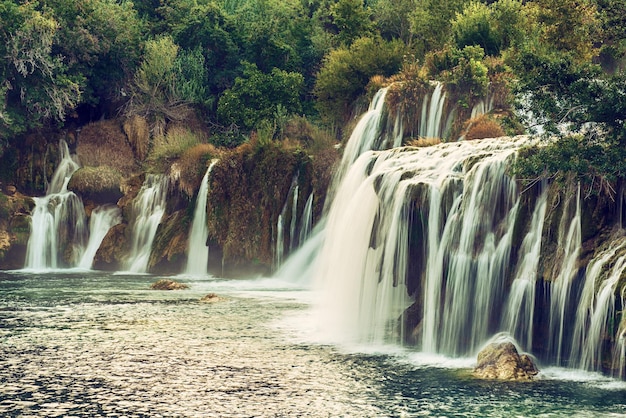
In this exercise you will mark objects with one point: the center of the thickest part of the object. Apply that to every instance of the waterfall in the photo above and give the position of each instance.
(198, 252)
(307, 220)
(469, 245)
(468, 228)
(432, 114)
(417, 245)
(519, 314)
(148, 209)
(597, 306)
(102, 219)
(569, 245)
(280, 227)
(294, 217)
(280, 245)
(58, 220)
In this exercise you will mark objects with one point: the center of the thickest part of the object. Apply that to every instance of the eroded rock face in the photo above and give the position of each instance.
(500, 360)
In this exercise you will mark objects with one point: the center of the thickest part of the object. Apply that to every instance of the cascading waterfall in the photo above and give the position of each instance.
(148, 209)
(432, 113)
(363, 263)
(102, 219)
(519, 314)
(198, 252)
(469, 245)
(58, 220)
(424, 237)
(569, 244)
(597, 306)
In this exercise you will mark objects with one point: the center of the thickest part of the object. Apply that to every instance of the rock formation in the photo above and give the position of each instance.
(500, 360)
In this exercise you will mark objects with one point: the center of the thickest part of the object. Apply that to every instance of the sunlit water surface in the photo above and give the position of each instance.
(94, 344)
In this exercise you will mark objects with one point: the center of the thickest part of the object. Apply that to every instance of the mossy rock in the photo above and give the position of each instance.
(113, 249)
(98, 184)
(104, 143)
(167, 284)
(170, 244)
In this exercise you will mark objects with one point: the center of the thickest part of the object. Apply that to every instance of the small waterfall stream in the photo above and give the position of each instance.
(58, 220)
(102, 219)
(198, 252)
(307, 221)
(148, 209)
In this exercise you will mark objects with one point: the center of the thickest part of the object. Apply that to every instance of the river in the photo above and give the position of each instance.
(95, 344)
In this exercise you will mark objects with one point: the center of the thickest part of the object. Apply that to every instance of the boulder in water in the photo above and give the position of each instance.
(500, 360)
(167, 284)
(210, 298)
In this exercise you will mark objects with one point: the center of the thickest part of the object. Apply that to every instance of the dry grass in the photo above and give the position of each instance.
(192, 166)
(104, 143)
(423, 142)
(169, 147)
(138, 133)
(483, 127)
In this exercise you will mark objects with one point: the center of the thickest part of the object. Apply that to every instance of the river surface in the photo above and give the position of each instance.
(96, 344)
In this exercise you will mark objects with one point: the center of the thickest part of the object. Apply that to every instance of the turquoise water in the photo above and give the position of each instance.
(95, 344)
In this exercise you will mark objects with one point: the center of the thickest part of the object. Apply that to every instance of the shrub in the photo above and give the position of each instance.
(483, 127)
(346, 72)
(192, 166)
(169, 147)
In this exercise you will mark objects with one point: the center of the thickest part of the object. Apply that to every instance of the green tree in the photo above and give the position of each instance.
(36, 86)
(257, 96)
(166, 83)
(392, 18)
(430, 22)
(346, 71)
(351, 19)
(99, 42)
(475, 26)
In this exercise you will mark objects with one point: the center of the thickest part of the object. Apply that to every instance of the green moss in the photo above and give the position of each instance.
(100, 184)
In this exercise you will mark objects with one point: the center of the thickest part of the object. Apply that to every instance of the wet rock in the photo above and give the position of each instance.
(167, 284)
(500, 360)
(210, 298)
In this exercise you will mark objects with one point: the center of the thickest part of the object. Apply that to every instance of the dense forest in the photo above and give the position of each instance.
(151, 83)
(239, 66)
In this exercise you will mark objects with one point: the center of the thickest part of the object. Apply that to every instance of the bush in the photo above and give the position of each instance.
(256, 96)
(192, 166)
(138, 133)
(169, 147)
(595, 164)
(346, 72)
(483, 127)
